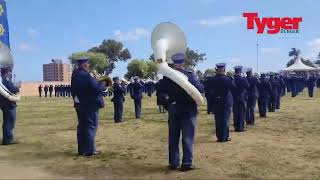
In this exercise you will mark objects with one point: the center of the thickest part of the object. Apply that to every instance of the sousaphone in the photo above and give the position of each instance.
(6, 61)
(168, 39)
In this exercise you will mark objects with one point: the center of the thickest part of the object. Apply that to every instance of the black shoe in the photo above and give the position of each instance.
(11, 143)
(91, 154)
(172, 167)
(187, 168)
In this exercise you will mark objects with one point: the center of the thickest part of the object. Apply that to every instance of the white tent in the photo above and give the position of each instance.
(299, 66)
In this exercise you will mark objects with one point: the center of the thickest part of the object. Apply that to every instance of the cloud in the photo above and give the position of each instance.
(220, 21)
(32, 32)
(25, 47)
(271, 50)
(134, 35)
(314, 50)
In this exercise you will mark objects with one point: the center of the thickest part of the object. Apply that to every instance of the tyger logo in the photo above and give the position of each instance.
(274, 24)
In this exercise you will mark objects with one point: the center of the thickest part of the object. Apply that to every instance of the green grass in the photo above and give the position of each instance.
(285, 145)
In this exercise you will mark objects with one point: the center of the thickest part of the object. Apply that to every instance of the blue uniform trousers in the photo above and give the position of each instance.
(278, 101)
(9, 121)
(251, 105)
(209, 105)
(118, 111)
(186, 124)
(272, 103)
(222, 121)
(86, 130)
(137, 107)
(239, 114)
(263, 104)
(310, 91)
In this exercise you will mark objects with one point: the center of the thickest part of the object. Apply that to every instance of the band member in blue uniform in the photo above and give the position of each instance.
(88, 93)
(311, 82)
(209, 94)
(137, 89)
(8, 108)
(265, 90)
(222, 86)
(252, 95)
(118, 99)
(239, 100)
(182, 116)
(274, 93)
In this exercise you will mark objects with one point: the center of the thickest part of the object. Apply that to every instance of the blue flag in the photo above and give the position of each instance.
(4, 27)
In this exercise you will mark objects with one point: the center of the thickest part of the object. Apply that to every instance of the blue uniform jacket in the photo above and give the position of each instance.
(4, 102)
(242, 85)
(253, 83)
(118, 93)
(137, 89)
(222, 86)
(264, 88)
(184, 103)
(87, 89)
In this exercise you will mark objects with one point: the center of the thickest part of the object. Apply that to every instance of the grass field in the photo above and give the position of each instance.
(285, 145)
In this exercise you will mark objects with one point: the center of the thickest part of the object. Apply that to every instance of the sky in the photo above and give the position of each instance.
(41, 30)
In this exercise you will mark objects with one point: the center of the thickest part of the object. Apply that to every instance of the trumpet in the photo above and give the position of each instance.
(101, 78)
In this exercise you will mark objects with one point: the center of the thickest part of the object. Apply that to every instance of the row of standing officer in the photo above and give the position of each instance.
(59, 90)
(239, 95)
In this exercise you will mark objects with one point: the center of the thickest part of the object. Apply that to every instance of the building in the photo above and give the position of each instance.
(57, 71)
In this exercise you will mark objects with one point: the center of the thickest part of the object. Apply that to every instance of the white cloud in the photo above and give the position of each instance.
(314, 46)
(136, 34)
(32, 32)
(270, 50)
(25, 47)
(220, 21)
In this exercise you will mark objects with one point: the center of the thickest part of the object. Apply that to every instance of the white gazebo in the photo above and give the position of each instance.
(300, 68)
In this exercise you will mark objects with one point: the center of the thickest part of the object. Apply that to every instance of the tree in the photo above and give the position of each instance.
(114, 51)
(294, 53)
(200, 75)
(318, 61)
(152, 70)
(209, 72)
(307, 62)
(137, 68)
(98, 61)
(193, 58)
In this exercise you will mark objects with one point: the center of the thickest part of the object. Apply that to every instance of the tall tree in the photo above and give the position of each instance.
(142, 68)
(295, 53)
(114, 51)
(98, 61)
(318, 61)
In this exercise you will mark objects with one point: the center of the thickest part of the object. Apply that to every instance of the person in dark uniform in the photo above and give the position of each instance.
(88, 92)
(208, 94)
(239, 99)
(280, 86)
(265, 90)
(182, 116)
(50, 90)
(311, 82)
(56, 91)
(222, 86)
(137, 89)
(118, 99)
(318, 81)
(274, 93)
(40, 90)
(162, 97)
(252, 95)
(8, 108)
(46, 89)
